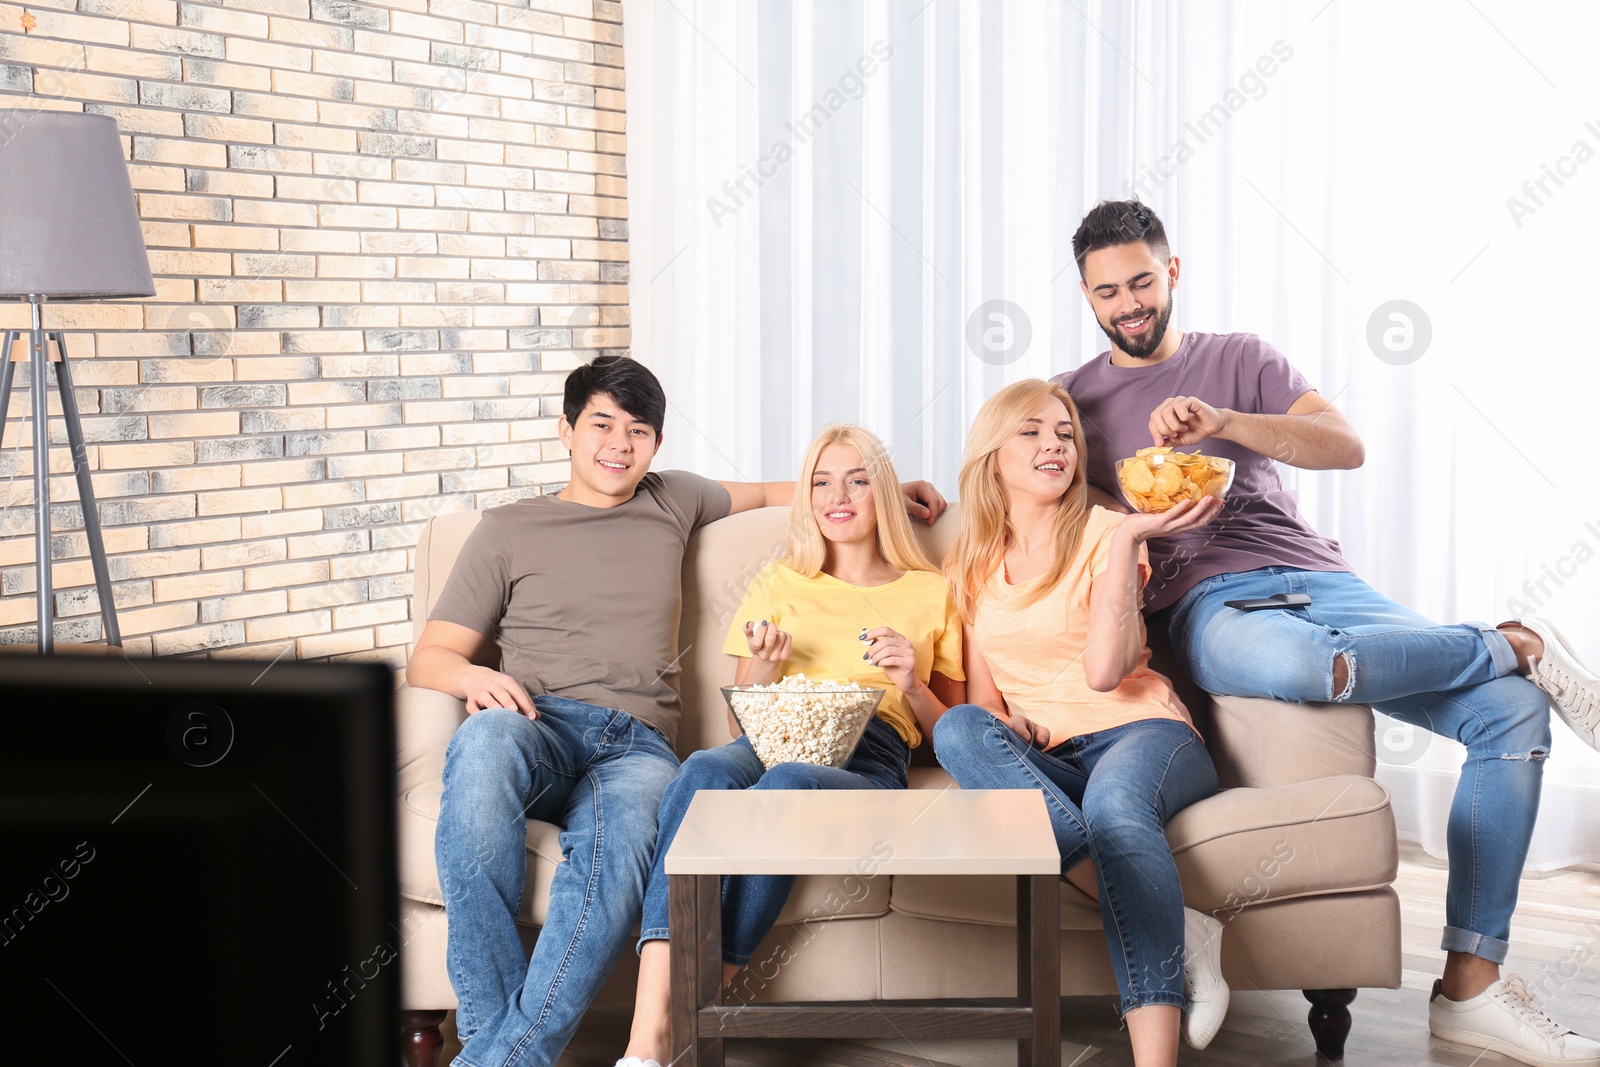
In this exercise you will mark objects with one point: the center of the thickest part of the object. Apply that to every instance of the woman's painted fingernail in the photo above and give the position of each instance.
(866, 655)
(862, 636)
(763, 622)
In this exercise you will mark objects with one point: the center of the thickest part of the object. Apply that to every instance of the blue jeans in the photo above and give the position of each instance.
(751, 903)
(1456, 681)
(1109, 795)
(599, 774)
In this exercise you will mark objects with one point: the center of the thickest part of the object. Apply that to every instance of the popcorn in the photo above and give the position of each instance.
(797, 720)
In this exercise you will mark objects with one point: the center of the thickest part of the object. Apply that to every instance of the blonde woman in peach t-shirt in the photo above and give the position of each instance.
(1062, 699)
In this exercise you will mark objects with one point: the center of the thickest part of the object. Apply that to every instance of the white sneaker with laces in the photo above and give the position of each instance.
(1504, 1019)
(1203, 984)
(1573, 689)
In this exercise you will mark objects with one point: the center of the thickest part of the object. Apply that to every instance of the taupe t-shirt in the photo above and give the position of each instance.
(583, 601)
(1262, 525)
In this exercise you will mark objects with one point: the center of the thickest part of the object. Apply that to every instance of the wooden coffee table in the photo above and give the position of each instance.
(917, 831)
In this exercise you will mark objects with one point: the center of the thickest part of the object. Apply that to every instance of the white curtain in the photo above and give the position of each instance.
(864, 211)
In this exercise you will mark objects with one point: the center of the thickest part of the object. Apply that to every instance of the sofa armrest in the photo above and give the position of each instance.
(425, 720)
(1262, 743)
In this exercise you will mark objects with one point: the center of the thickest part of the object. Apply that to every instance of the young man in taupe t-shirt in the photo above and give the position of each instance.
(581, 592)
(1476, 683)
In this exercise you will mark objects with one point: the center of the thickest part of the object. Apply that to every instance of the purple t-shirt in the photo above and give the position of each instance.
(1261, 526)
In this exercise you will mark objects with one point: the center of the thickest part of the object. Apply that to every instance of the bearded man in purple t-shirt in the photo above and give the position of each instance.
(1489, 687)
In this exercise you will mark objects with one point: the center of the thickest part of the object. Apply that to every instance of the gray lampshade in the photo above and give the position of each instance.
(69, 226)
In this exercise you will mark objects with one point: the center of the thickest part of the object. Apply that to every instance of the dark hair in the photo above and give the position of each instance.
(1119, 222)
(625, 380)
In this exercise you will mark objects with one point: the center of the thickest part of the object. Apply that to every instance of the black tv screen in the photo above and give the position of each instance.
(199, 861)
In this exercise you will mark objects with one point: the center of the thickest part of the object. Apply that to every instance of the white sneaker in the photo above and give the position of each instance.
(634, 1061)
(1504, 1019)
(1203, 984)
(1573, 689)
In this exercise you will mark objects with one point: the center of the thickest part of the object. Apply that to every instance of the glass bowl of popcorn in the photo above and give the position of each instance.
(797, 720)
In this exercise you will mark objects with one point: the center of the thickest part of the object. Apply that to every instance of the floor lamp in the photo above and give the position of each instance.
(69, 230)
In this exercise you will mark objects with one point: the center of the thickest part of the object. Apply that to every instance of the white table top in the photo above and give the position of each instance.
(865, 832)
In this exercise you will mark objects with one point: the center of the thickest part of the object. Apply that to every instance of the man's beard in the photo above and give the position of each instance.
(1144, 345)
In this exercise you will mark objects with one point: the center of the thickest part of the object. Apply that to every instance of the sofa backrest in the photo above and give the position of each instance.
(721, 560)
(1253, 742)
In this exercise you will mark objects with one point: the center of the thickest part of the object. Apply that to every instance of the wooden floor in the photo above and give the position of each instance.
(1556, 948)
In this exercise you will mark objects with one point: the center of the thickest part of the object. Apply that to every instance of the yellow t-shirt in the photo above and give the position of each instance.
(825, 615)
(1035, 651)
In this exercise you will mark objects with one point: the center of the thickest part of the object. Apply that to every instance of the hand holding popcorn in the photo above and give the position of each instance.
(767, 642)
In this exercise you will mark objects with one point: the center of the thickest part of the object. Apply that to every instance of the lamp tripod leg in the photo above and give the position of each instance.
(7, 372)
(91, 512)
(41, 483)
(7, 368)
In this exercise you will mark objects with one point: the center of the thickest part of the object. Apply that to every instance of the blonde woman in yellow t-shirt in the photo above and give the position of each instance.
(1063, 700)
(855, 599)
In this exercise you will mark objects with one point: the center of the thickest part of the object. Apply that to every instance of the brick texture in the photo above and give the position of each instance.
(381, 232)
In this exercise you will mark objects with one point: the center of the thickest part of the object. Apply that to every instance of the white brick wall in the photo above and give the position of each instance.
(381, 234)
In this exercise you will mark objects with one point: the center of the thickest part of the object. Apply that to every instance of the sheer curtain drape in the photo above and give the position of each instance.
(863, 212)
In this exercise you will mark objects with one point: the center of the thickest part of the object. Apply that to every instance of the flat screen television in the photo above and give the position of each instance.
(197, 861)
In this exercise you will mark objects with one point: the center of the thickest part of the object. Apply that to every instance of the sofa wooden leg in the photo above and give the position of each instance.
(420, 1039)
(1330, 1020)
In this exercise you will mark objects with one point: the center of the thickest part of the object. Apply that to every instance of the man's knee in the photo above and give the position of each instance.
(488, 751)
(490, 730)
(1514, 719)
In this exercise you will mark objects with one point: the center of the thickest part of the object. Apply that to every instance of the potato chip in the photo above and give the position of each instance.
(1139, 478)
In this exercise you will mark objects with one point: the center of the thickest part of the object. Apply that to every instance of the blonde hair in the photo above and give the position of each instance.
(896, 542)
(986, 532)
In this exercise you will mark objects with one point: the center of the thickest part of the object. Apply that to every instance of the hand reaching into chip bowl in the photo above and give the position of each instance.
(1186, 420)
(1157, 478)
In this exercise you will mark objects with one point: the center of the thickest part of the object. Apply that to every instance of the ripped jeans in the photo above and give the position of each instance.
(1456, 681)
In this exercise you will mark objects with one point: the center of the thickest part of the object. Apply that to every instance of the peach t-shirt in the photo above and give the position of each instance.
(1035, 651)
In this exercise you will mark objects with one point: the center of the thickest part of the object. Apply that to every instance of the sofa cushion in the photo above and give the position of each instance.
(1256, 742)
(419, 875)
(1238, 848)
(1244, 846)
(814, 897)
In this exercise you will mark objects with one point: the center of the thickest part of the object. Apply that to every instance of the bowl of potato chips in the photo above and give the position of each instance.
(1157, 478)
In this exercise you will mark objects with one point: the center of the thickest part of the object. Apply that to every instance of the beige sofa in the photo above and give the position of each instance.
(1295, 855)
